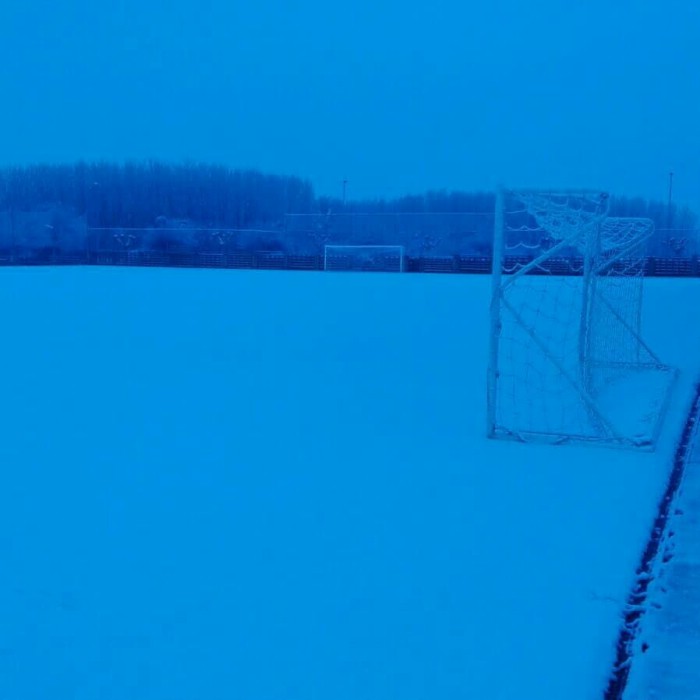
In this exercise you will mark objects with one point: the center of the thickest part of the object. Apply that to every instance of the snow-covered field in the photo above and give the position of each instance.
(276, 485)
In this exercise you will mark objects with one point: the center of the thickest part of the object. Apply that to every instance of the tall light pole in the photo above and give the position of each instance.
(670, 200)
(345, 192)
(91, 220)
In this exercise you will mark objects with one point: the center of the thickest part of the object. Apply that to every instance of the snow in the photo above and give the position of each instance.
(668, 645)
(276, 485)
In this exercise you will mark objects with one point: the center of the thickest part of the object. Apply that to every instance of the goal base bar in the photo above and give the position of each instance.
(645, 442)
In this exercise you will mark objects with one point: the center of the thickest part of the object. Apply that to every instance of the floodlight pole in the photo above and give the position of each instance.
(670, 199)
(495, 313)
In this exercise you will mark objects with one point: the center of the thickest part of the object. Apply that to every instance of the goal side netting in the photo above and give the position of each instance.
(363, 258)
(568, 361)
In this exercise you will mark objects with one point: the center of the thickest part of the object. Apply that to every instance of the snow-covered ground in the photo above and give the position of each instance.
(276, 485)
(667, 648)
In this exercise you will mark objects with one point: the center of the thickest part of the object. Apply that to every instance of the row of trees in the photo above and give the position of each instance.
(144, 194)
(61, 207)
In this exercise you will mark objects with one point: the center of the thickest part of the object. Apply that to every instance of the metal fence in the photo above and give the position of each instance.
(275, 260)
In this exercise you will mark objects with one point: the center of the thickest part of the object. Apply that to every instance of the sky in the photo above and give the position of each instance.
(394, 97)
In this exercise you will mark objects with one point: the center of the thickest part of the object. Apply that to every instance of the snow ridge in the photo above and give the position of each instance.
(636, 603)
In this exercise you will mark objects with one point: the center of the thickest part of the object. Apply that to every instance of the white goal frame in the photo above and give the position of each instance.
(586, 228)
(389, 251)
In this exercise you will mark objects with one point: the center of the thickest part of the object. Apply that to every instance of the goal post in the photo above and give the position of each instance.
(567, 360)
(363, 258)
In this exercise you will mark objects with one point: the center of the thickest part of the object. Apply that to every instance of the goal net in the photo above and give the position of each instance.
(567, 357)
(364, 258)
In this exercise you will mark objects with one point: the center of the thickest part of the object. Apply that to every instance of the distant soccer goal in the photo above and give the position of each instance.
(363, 258)
(567, 358)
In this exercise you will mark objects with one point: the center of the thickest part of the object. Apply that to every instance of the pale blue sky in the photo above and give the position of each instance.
(395, 96)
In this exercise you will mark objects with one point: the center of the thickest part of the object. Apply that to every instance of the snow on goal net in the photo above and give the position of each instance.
(567, 358)
(363, 258)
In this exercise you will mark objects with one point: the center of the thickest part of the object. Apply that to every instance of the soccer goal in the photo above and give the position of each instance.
(567, 358)
(364, 258)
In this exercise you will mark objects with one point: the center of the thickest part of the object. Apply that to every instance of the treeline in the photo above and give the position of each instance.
(142, 195)
(443, 201)
(199, 206)
(431, 202)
